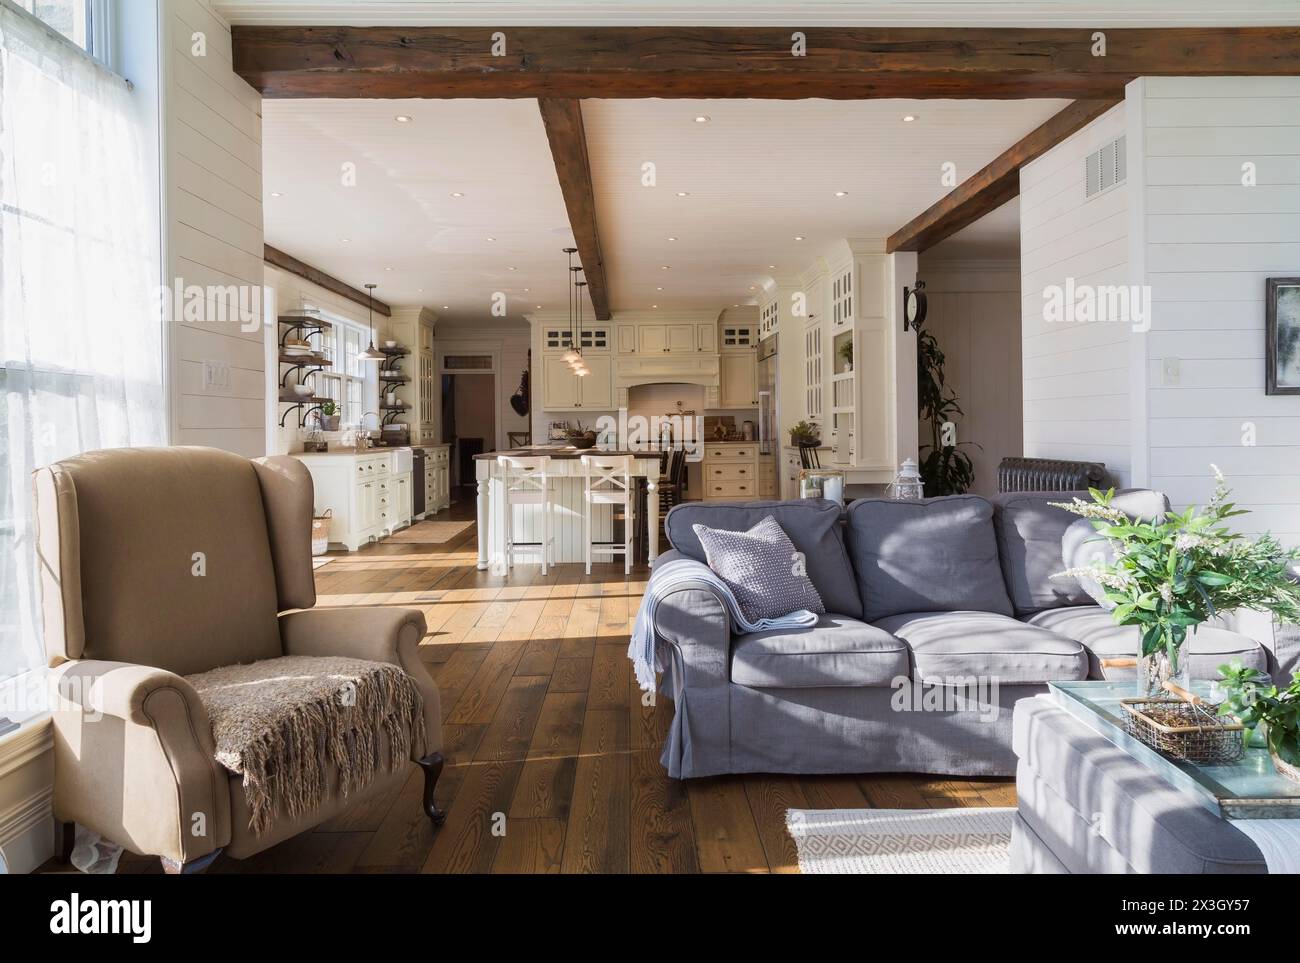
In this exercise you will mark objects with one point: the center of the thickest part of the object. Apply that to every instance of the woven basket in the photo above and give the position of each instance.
(320, 532)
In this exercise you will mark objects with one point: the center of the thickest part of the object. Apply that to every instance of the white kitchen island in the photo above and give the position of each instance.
(566, 484)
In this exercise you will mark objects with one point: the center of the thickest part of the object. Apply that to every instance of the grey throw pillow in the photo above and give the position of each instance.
(762, 569)
(1082, 547)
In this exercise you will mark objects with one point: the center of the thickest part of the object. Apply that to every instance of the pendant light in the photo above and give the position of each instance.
(572, 356)
(372, 353)
(581, 370)
(576, 322)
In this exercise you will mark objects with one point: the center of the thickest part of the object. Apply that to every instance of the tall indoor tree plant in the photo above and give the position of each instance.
(945, 468)
(1171, 574)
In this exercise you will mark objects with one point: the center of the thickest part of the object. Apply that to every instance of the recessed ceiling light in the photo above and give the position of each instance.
(702, 119)
(345, 240)
(387, 269)
(276, 194)
(526, 290)
(679, 194)
(798, 237)
(663, 267)
(402, 119)
(512, 269)
(492, 239)
(751, 287)
(908, 118)
(539, 307)
(419, 290)
(771, 267)
(658, 289)
(841, 193)
(446, 307)
(672, 239)
(457, 193)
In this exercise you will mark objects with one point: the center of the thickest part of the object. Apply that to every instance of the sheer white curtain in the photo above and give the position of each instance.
(80, 319)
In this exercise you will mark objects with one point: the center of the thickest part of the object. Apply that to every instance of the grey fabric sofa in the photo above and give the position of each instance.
(941, 615)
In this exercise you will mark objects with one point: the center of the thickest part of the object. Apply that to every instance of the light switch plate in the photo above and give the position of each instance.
(1171, 370)
(216, 375)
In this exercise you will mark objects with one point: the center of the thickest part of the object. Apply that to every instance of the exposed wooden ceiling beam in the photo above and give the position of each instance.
(995, 184)
(563, 120)
(840, 63)
(287, 262)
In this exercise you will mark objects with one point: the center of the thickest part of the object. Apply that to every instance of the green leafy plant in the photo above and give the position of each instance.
(329, 408)
(945, 469)
(804, 432)
(1175, 572)
(846, 351)
(1252, 698)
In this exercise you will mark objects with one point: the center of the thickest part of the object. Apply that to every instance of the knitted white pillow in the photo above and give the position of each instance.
(762, 568)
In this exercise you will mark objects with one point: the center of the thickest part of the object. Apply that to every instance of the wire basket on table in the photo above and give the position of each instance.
(1185, 727)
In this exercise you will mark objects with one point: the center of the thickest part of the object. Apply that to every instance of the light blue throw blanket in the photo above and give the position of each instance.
(672, 575)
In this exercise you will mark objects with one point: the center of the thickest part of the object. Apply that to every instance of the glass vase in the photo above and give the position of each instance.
(1168, 663)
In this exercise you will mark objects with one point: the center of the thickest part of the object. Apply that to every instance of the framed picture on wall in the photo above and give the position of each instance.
(1282, 332)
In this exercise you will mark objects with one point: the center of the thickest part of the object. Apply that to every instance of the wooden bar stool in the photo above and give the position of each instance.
(608, 480)
(524, 482)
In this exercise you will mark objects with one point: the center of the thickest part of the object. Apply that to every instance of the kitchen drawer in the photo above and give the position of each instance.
(767, 488)
(730, 488)
(730, 452)
(729, 471)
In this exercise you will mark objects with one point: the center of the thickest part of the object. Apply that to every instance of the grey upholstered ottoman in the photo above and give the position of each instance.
(1085, 806)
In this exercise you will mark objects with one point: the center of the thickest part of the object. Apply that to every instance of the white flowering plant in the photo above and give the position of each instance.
(1174, 572)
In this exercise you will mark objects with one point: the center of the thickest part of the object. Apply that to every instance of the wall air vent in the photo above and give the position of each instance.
(1104, 168)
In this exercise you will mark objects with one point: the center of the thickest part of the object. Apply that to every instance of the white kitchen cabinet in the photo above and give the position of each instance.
(739, 337)
(666, 339)
(562, 389)
(365, 497)
(738, 377)
(625, 339)
(596, 390)
(706, 338)
(437, 478)
(559, 384)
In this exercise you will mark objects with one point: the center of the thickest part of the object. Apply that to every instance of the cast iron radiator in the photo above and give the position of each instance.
(1049, 475)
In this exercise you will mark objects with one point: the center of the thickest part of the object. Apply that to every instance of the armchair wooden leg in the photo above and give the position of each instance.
(190, 867)
(432, 766)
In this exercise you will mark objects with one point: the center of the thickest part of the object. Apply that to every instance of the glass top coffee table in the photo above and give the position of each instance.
(1248, 789)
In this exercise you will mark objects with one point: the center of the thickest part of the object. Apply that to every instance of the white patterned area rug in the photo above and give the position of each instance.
(908, 841)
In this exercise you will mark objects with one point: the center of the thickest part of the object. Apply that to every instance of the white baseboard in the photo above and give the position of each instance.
(27, 834)
(26, 790)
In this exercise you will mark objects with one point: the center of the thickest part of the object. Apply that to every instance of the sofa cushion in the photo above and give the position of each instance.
(1093, 626)
(837, 651)
(1029, 532)
(1082, 546)
(762, 569)
(813, 525)
(949, 646)
(937, 555)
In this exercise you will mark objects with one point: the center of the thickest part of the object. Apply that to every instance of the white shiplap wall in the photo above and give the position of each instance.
(1210, 243)
(213, 201)
(974, 314)
(1075, 376)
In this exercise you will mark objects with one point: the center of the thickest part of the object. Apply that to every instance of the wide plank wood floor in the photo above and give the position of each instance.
(552, 753)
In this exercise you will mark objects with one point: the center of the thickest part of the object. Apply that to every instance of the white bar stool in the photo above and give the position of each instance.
(608, 480)
(524, 482)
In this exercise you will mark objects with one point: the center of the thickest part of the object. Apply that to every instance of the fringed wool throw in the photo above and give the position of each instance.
(280, 722)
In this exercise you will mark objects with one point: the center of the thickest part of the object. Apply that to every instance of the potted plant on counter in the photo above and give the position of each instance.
(329, 416)
(1168, 575)
(1271, 712)
(804, 434)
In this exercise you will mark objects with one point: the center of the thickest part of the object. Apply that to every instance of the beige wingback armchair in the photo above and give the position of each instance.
(157, 563)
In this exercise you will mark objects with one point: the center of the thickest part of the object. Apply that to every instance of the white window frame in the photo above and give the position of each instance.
(100, 30)
(351, 386)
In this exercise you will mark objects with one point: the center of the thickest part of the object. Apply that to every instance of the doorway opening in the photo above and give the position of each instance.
(469, 413)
